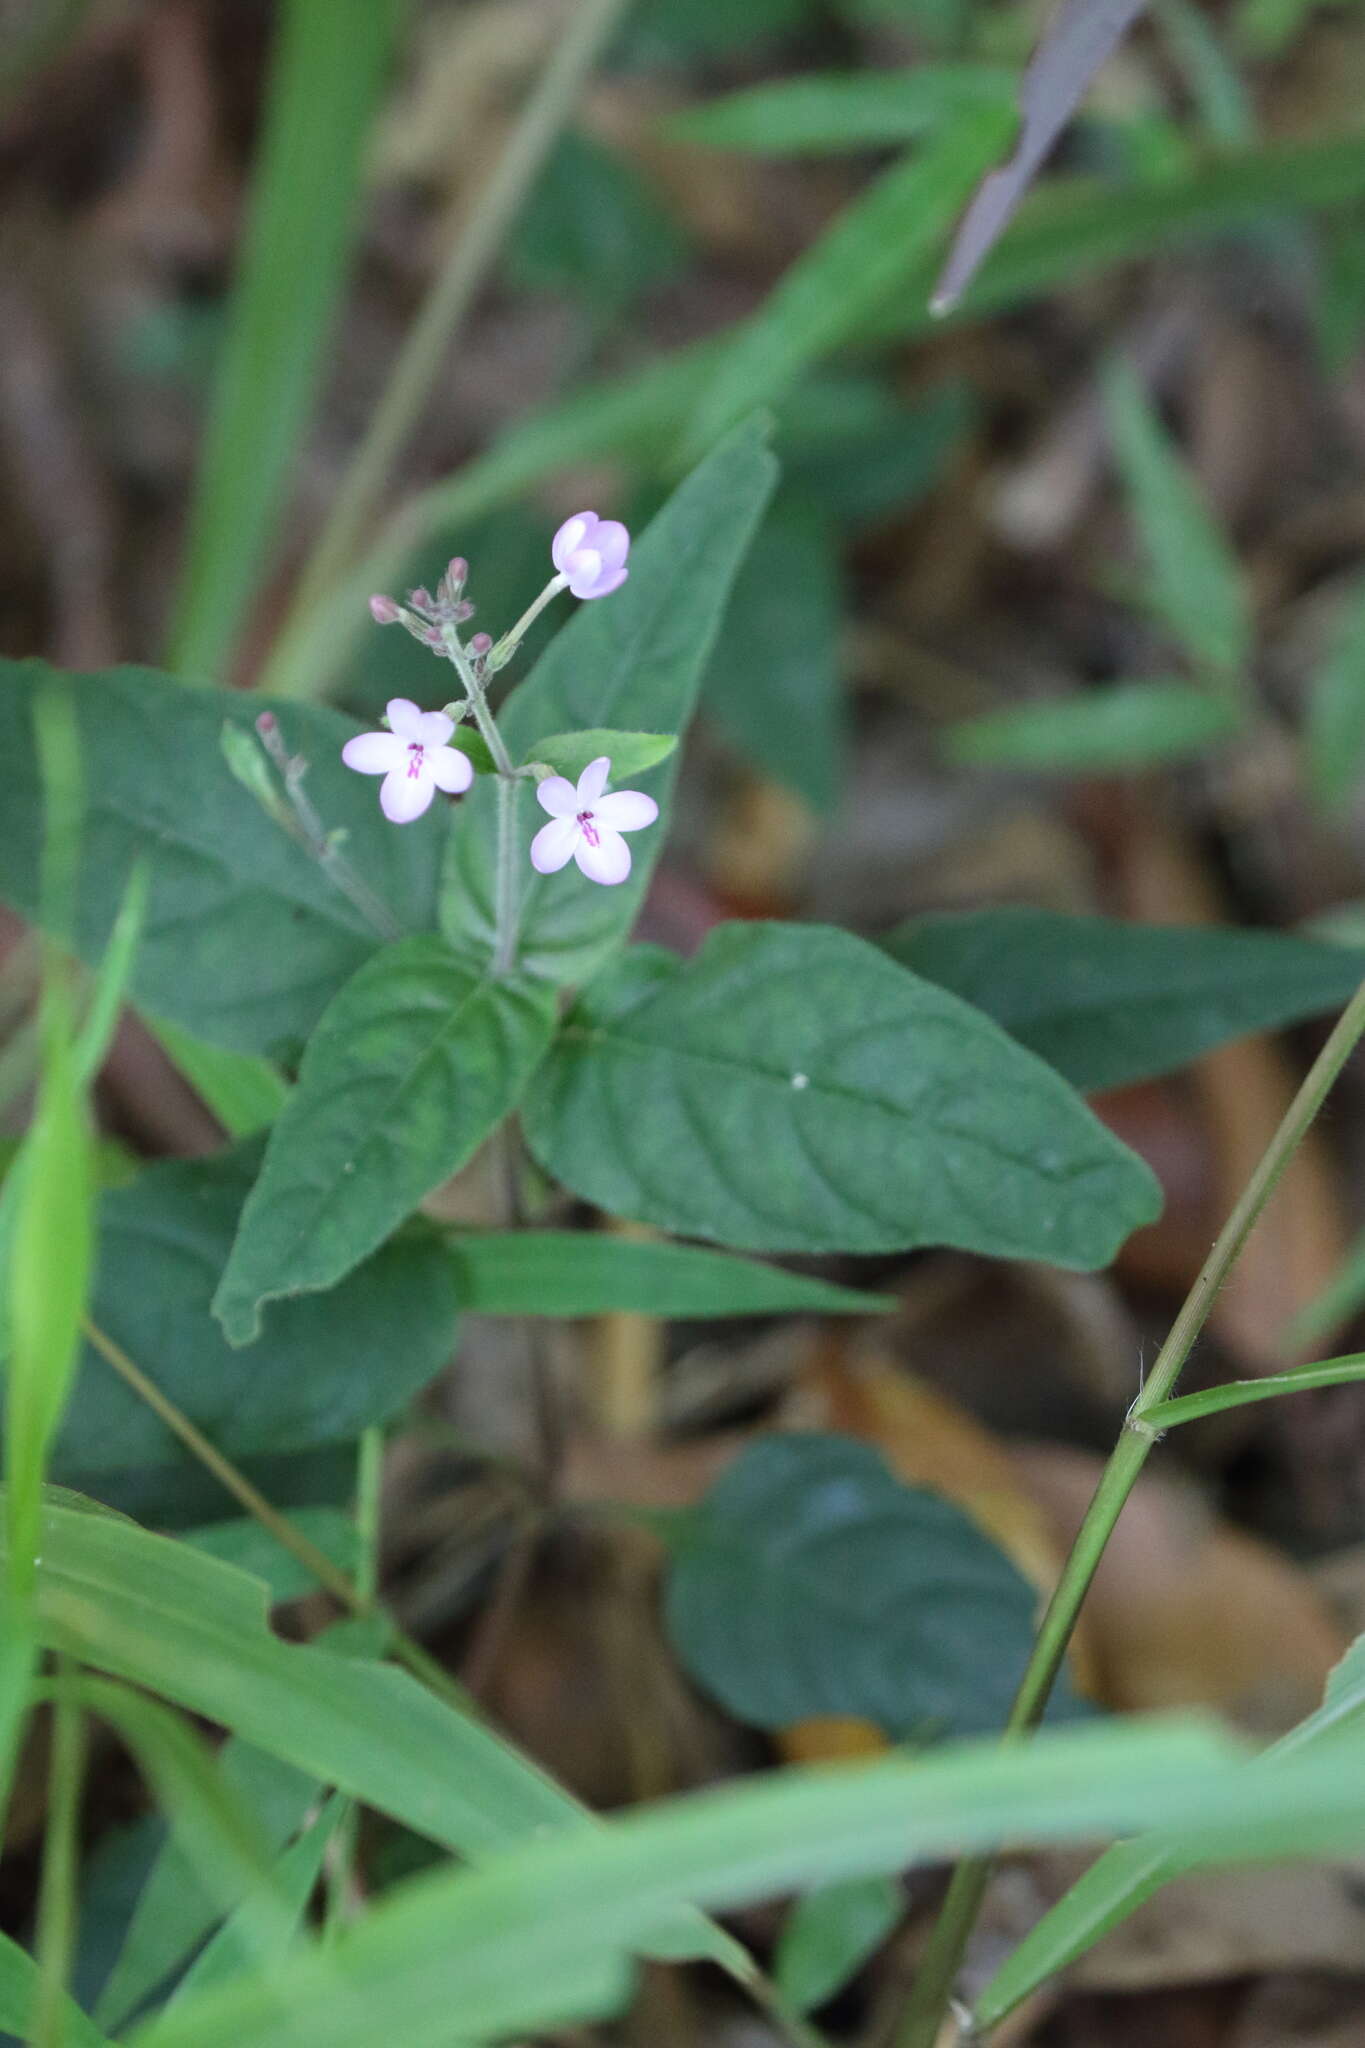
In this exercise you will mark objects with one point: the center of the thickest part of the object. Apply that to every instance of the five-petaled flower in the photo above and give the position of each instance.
(413, 759)
(586, 826)
(590, 554)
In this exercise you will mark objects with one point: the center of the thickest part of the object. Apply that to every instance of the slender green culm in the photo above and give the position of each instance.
(57, 1894)
(937, 1974)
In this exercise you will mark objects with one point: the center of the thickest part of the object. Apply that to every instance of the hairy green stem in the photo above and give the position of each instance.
(57, 1894)
(507, 890)
(512, 639)
(937, 1974)
(428, 346)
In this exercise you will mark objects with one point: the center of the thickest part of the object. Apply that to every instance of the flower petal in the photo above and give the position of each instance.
(612, 542)
(374, 753)
(449, 769)
(570, 538)
(608, 861)
(592, 782)
(557, 796)
(625, 810)
(403, 797)
(405, 718)
(609, 580)
(584, 571)
(435, 728)
(553, 844)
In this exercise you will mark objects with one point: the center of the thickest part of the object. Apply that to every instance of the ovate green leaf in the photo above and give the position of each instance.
(417, 1060)
(830, 1934)
(594, 1273)
(792, 1089)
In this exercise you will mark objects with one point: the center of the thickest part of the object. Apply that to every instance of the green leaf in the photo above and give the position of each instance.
(1332, 1372)
(633, 662)
(49, 1250)
(160, 1615)
(250, 1547)
(861, 452)
(822, 111)
(19, 2002)
(811, 1582)
(491, 1944)
(1197, 585)
(829, 1935)
(245, 1093)
(1124, 726)
(593, 1273)
(1106, 1003)
(594, 230)
(1132, 1872)
(18, 1660)
(630, 753)
(329, 68)
(231, 1952)
(1336, 707)
(774, 686)
(468, 740)
(327, 1369)
(793, 1089)
(850, 272)
(273, 939)
(711, 28)
(420, 1056)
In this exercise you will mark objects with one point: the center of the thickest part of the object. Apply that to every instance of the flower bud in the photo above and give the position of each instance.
(384, 611)
(481, 644)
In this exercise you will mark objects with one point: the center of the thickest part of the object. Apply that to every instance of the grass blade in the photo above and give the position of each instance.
(1332, 1372)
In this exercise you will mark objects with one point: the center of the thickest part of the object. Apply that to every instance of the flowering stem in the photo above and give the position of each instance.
(507, 893)
(512, 639)
(938, 1970)
(310, 831)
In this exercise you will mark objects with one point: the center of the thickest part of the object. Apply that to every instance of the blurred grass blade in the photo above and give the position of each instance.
(231, 1952)
(1126, 727)
(111, 983)
(245, 1092)
(1336, 707)
(825, 111)
(330, 61)
(827, 294)
(1078, 40)
(1333, 1372)
(18, 2000)
(18, 1656)
(1197, 585)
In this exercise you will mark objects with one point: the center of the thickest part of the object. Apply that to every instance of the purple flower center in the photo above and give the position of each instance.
(414, 759)
(588, 828)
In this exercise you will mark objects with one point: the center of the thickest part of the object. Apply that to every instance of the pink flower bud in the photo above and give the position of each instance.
(481, 644)
(590, 554)
(266, 724)
(384, 611)
(457, 575)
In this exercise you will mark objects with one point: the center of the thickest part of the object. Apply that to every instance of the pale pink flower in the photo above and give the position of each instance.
(586, 826)
(590, 553)
(413, 759)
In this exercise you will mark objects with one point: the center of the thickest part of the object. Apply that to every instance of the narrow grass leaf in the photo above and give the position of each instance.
(331, 59)
(1332, 1372)
(233, 1951)
(1196, 585)
(245, 1092)
(848, 274)
(820, 112)
(19, 2002)
(829, 1935)
(1122, 728)
(1336, 708)
(594, 1273)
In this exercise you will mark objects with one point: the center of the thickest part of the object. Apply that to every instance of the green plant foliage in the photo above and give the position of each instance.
(824, 111)
(231, 1952)
(630, 753)
(636, 663)
(327, 1368)
(487, 1943)
(594, 230)
(791, 1089)
(274, 939)
(245, 1093)
(19, 2002)
(1126, 726)
(594, 1273)
(812, 1582)
(829, 1935)
(1336, 708)
(421, 1055)
(330, 63)
(864, 454)
(849, 273)
(1106, 1003)
(250, 1547)
(708, 28)
(1196, 584)
(774, 686)
(1133, 1871)
(1332, 1372)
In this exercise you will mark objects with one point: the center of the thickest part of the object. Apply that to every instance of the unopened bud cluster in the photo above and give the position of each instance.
(427, 617)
